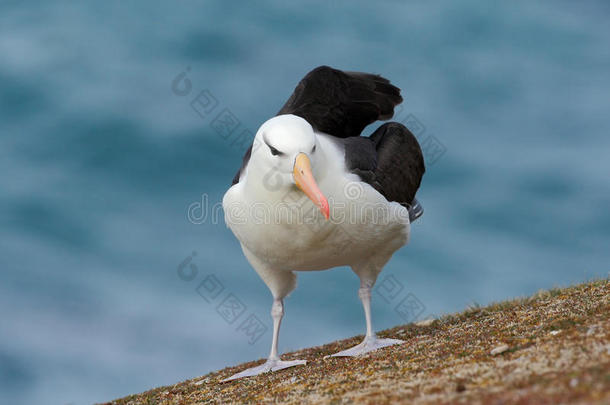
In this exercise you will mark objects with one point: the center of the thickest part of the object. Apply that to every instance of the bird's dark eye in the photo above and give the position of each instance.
(313, 149)
(274, 151)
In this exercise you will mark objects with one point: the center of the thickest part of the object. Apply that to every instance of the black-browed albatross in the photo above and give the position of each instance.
(363, 189)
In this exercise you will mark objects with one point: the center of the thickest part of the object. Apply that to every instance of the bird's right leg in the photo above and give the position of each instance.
(273, 363)
(280, 283)
(277, 313)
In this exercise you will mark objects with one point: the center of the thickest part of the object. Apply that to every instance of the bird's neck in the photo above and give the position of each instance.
(266, 185)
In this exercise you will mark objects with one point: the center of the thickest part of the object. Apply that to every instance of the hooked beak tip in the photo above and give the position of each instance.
(325, 208)
(303, 178)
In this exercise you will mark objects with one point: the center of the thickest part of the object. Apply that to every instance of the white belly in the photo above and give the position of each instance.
(289, 233)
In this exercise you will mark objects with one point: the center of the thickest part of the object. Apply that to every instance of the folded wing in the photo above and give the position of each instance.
(391, 161)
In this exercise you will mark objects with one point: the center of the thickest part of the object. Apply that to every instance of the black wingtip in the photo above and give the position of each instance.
(416, 210)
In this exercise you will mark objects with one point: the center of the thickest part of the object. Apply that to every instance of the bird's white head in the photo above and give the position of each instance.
(285, 155)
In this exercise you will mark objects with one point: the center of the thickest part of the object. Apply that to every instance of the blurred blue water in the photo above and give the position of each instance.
(99, 161)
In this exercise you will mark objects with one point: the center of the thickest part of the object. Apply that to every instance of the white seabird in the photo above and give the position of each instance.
(361, 192)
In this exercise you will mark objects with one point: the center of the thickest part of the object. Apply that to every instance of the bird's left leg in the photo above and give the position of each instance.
(371, 341)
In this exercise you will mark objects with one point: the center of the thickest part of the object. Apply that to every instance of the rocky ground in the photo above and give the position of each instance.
(551, 348)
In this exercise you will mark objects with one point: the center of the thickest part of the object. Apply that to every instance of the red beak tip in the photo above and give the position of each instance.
(326, 210)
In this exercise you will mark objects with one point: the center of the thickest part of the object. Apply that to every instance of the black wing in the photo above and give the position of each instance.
(391, 161)
(342, 103)
(339, 103)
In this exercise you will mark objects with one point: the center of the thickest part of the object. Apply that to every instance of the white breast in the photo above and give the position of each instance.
(283, 228)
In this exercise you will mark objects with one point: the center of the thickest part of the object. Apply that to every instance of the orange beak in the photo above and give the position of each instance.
(305, 181)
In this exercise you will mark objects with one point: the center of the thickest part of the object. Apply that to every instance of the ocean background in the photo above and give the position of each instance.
(101, 156)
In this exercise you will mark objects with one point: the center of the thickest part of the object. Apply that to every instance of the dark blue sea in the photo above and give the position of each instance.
(108, 287)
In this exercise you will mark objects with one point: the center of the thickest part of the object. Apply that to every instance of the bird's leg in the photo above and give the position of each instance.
(274, 362)
(365, 296)
(277, 313)
(371, 341)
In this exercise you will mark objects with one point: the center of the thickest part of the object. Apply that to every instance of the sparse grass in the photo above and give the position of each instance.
(558, 352)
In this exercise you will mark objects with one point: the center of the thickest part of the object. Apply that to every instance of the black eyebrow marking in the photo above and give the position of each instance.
(274, 151)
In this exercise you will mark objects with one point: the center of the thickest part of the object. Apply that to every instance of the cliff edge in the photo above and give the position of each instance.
(551, 348)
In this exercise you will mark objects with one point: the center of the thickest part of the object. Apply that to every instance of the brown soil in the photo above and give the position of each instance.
(553, 348)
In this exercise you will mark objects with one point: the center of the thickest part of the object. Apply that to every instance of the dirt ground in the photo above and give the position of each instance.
(551, 348)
